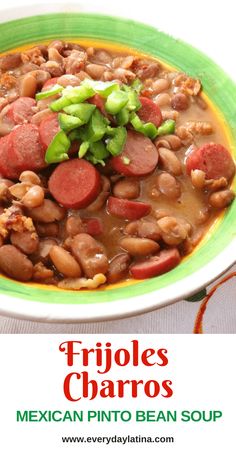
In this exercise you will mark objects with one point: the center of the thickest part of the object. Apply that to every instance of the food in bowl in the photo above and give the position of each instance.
(113, 166)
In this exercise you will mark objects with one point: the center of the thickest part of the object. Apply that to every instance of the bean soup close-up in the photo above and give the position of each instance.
(113, 166)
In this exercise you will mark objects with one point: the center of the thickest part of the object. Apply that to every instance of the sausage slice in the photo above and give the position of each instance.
(49, 83)
(6, 169)
(48, 128)
(139, 157)
(75, 183)
(25, 151)
(156, 265)
(21, 110)
(212, 158)
(131, 210)
(149, 111)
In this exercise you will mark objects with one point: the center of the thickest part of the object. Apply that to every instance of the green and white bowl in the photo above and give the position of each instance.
(215, 254)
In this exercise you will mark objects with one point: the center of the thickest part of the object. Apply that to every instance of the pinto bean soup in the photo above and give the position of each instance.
(112, 166)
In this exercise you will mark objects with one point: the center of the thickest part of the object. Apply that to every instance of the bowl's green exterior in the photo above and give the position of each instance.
(217, 85)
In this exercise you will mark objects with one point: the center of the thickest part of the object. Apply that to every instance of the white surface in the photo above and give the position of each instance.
(198, 25)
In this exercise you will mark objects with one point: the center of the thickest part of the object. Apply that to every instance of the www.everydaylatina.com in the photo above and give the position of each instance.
(118, 439)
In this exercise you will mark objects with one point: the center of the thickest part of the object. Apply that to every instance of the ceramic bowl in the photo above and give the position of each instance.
(215, 254)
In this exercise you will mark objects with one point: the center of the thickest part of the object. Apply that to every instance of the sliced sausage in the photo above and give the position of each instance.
(15, 264)
(48, 128)
(139, 157)
(149, 111)
(156, 265)
(212, 158)
(26, 152)
(6, 169)
(21, 110)
(75, 183)
(130, 210)
(49, 83)
(90, 255)
(92, 226)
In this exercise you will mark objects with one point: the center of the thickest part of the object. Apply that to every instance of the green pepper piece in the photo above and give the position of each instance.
(148, 129)
(82, 110)
(122, 118)
(116, 101)
(103, 88)
(98, 149)
(79, 94)
(116, 143)
(94, 160)
(133, 102)
(56, 89)
(168, 127)
(137, 85)
(59, 104)
(58, 148)
(75, 135)
(96, 127)
(83, 149)
(68, 122)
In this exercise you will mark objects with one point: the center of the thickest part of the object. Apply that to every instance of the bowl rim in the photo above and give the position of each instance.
(147, 301)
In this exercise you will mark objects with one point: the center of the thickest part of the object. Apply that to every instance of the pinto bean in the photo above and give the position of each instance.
(11, 61)
(44, 249)
(102, 197)
(54, 68)
(162, 99)
(74, 225)
(90, 255)
(95, 70)
(47, 229)
(198, 178)
(159, 85)
(27, 241)
(39, 116)
(103, 57)
(30, 177)
(15, 264)
(174, 141)
(180, 102)
(20, 189)
(27, 86)
(54, 55)
(221, 199)
(168, 185)
(127, 189)
(170, 162)
(118, 268)
(172, 115)
(173, 230)
(185, 135)
(139, 246)
(143, 229)
(48, 212)
(34, 197)
(64, 262)
(68, 80)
